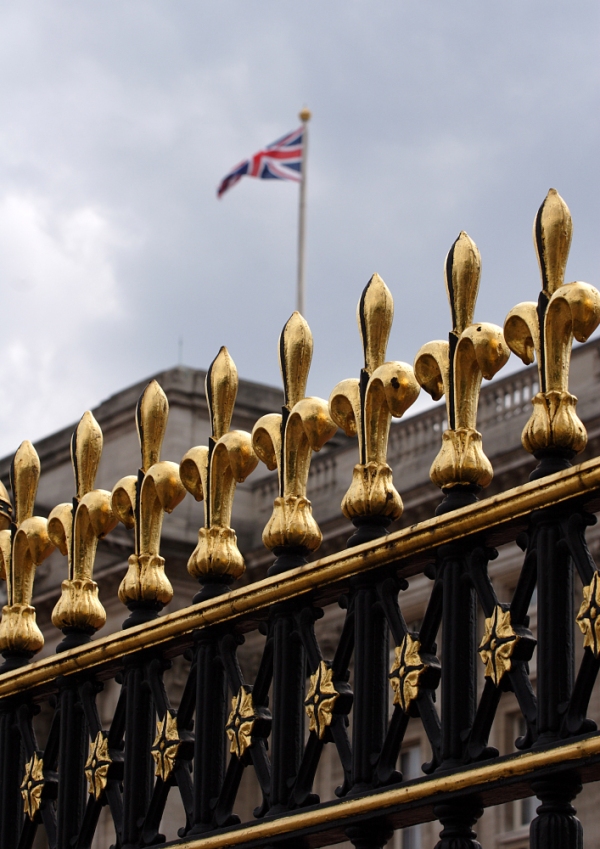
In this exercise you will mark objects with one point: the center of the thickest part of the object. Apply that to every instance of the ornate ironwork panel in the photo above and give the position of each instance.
(222, 730)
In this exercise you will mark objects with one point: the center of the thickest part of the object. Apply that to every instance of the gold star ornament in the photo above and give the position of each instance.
(166, 745)
(240, 724)
(588, 617)
(405, 674)
(321, 699)
(498, 644)
(32, 786)
(97, 765)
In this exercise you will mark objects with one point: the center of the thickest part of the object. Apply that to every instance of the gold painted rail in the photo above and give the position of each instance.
(497, 519)
(427, 791)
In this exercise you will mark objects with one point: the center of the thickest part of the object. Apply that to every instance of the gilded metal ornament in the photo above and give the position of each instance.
(546, 330)
(240, 724)
(32, 785)
(6, 510)
(212, 473)
(97, 765)
(588, 617)
(285, 442)
(498, 644)
(364, 408)
(141, 501)
(166, 745)
(455, 369)
(75, 529)
(320, 700)
(406, 672)
(23, 547)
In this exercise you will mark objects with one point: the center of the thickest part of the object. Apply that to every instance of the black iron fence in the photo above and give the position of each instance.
(358, 700)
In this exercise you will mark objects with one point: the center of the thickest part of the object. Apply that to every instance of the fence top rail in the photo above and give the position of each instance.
(484, 780)
(497, 519)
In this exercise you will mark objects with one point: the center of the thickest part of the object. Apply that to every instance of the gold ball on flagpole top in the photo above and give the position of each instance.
(305, 115)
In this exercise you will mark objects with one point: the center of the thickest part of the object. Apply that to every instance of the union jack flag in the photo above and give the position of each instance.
(281, 160)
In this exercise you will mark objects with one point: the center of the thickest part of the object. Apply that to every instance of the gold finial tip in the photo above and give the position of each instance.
(305, 115)
(222, 355)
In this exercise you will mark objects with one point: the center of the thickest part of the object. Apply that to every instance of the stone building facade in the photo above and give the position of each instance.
(413, 443)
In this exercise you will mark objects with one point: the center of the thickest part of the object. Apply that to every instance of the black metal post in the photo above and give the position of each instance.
(11, 803)
(371, 696)
(459, 689)
(138, 772)
(556, 825)
(458, 820)
(459, 651)
(289, 677)
(72, 755)
(555, 661)
(209, 746)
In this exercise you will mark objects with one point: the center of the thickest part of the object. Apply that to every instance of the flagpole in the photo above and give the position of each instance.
(305, 117)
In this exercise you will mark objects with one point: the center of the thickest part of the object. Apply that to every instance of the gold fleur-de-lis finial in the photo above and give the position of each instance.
(75, 529)
(455, 369)
(211, 473)
(23, 547)
(554, 433)
(285, 442)
(365, 407)
(140, 502)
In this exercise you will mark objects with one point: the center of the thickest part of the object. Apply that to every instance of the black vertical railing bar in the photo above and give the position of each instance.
(223, 808)
(555, 825)
(73, 746)
(371, 699)
(209, 729)
(138, 772)
(459, 689)
(289, 675)
(11, 770)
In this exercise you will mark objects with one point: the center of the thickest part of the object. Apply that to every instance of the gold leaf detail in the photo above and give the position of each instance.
(32, 786)
(588, 617)
(406, 672)
(240, 724)
(321, 698)
(375, 314)
(97, 765)
(295, 356)
(166, 745)
(498, 644)
(221, 390)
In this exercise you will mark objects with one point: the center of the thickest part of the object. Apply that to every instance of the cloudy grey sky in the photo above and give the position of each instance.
(118, 119)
